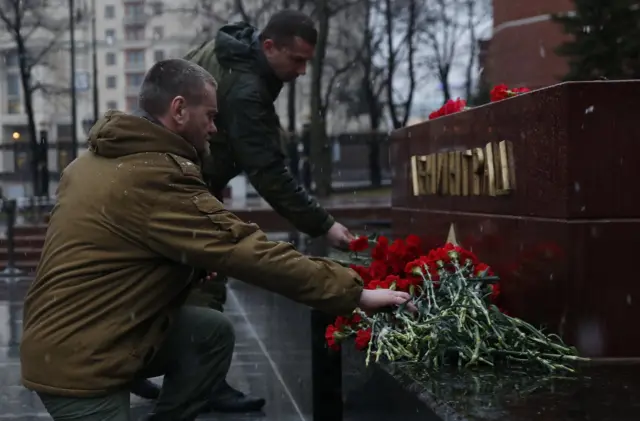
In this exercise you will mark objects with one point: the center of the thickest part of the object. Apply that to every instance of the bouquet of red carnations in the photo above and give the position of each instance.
(459, 320)
(498, 93)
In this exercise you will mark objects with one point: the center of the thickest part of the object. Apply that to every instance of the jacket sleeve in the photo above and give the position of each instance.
(189, 225)
(254, 137)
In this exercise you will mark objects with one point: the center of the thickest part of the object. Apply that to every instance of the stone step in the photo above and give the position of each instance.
(21, 253)
(26, 266)
(28, 241)
(24, 230)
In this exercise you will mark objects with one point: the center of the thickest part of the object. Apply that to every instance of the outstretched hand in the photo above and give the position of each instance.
(339, 236)
(379, 299)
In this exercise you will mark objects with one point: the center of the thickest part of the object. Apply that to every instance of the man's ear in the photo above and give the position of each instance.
(268, 44)
(178, 109)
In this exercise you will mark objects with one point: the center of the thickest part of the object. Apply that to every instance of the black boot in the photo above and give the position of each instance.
(227, 399)
(146, 389)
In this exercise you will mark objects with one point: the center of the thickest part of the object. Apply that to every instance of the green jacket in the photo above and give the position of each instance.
(249, 131)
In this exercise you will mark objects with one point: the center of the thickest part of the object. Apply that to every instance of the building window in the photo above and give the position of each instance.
(13, 84)
(158, 55)
(112, 105)
(157, 8)
(110, 36)
(110, 59)
(109, 11)
(134, 34)
(135, 10)
(14, 106)
(134, 80)
(132, 103)
(64, 132)
(111, 82)
(158, 32)
(11, 59)
(134, 57)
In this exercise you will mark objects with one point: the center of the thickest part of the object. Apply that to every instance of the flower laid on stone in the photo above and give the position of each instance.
(498, 93)
(502, 91)
(450, 107)
(459, 320)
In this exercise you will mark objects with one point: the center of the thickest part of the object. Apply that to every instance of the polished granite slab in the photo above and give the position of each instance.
(596, 392)
(602, 392)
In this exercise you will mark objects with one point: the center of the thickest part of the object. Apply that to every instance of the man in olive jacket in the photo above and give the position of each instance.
(132, 219)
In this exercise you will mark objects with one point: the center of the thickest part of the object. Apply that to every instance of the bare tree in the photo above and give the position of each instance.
(335, 67)
(442, 29)
(36, 33)
(401, 20)
(450, 34)
(373, 74)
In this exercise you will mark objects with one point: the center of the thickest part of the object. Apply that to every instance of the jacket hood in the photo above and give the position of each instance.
(118, 134)
(238, 47)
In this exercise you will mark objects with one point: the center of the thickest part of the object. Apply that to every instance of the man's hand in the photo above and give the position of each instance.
(208, 278)
(377, 299)
(339, 236)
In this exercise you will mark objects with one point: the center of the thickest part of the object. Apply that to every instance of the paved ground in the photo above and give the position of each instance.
(252, 369)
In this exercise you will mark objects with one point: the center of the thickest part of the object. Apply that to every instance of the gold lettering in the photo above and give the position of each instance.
(455, 173)
(431, 174)
(418, 175)
(507, 170)
(489, 171)
(479, 171)
(442, 179)
(466, 174)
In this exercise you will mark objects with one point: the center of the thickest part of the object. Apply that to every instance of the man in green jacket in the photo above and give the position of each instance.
(251, 67)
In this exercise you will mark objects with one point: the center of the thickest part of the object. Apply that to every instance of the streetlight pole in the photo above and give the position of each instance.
(94, 44)
(74, 118)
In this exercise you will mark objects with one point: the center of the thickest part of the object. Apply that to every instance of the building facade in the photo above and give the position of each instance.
(131, 35)
(521, 51)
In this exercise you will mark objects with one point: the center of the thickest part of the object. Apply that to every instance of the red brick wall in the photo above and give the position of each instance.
(508, 10)
(523, 55)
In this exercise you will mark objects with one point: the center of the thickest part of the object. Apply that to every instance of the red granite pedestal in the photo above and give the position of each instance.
(565, 238)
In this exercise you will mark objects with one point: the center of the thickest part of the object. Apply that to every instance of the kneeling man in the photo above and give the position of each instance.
(132, 220)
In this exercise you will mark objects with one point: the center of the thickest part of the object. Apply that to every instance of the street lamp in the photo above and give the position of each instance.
(74, 105)
(94, 45)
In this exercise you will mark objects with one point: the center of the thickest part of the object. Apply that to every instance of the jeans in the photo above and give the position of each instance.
(194, 359)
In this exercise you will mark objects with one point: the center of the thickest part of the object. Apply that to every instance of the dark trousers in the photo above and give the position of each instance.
(194, 359)
(210, 294)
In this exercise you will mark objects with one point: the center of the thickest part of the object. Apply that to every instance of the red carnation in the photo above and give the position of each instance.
(362, 338)
(380, 250)
(330, 336)
(359, 244)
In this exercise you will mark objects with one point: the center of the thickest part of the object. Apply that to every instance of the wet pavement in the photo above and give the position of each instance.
(252, 370)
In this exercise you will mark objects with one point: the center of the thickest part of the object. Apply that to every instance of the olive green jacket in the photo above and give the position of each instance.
(249, 131)
(133, 217)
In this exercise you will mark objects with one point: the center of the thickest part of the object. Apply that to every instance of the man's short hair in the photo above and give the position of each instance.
(170, 78)
(285, 25)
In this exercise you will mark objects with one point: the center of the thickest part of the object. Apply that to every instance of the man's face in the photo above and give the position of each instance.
(289, 60)
(195, 123)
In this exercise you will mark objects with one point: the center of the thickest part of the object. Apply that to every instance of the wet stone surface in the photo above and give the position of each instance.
(251, 370)
(596, 392)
